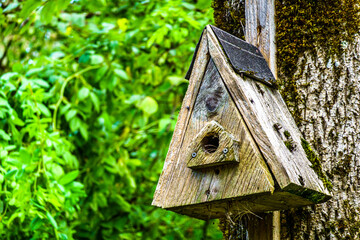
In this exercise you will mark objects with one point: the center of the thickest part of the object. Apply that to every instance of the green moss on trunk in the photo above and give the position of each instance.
(230, 18)
(316, 164)
(303, 25)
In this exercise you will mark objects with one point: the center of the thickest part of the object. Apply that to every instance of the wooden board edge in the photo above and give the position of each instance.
(312, 195)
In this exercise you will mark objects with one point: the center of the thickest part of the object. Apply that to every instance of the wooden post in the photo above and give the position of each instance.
(260, 31)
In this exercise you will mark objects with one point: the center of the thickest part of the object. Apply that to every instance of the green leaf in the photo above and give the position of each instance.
(70, 114)
(69, 177)
(17, 67)
(176, 80)
(83, 131)
(57, 171)
(95, 101)
(57, 55)
(33, 71)
(62, 4)
(121, 73)
(40, 83)
(47, 12)
(3, 102)
(4, 135)
(189, 6)
(63, 236)
(36, 223)
(96, 59)
(164, 123)
(44, 110)
(125, 206)
(28, 7)
(9, 75)
(148, 105)
(83, 93)
(10, 7)
(10, 173)
(13, 216)
(78, 19)
(75, 124)
(52, 220)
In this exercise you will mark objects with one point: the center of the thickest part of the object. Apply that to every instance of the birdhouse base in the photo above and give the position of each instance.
(252, 204)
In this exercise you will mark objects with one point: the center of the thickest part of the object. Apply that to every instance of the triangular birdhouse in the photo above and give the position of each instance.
(235, 147)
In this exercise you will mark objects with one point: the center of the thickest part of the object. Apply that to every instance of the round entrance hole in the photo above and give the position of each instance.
(210, 143)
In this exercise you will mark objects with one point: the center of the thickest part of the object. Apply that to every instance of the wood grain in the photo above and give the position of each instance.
(260, 29)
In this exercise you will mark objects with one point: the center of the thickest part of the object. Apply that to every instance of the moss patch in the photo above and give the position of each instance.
(230, 18)
(301, 26)
(316, 165)
(289, 142)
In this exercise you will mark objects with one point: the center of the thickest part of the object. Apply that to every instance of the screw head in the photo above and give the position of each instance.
(193, 154)
(225, 151)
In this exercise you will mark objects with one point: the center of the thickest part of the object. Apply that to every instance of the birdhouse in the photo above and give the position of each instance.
(236, 147)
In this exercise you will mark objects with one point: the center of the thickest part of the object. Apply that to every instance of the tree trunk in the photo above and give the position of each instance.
(318, 68)
(328, 103)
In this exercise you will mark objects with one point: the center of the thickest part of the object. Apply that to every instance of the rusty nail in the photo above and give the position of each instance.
(193, 154)
(225, 151)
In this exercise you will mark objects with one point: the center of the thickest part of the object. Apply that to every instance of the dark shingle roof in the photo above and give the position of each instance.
(244, 58)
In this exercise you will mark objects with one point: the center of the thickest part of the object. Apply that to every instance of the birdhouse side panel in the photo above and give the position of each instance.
(282, 131)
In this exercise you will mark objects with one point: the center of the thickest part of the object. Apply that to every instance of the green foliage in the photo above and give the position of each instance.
(89, 95)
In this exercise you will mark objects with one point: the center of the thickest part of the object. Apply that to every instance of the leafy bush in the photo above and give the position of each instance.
(89, 96)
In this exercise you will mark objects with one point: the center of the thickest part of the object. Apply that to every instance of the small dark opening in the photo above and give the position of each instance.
(301, 180)
(210, 143)
(217, 171)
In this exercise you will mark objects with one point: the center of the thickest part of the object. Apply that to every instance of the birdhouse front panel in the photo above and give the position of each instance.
(212, 163)
(221, 158)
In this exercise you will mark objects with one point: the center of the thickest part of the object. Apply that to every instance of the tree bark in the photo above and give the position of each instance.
(329, 94)
(326, 106)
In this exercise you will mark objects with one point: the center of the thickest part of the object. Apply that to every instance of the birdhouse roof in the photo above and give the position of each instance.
(245, 58)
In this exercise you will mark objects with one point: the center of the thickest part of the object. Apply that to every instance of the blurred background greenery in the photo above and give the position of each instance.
(89, 96)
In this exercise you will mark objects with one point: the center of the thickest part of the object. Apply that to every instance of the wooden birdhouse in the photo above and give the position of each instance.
(235, 148)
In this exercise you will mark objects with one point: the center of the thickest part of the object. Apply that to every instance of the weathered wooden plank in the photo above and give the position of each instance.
(260, 29)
